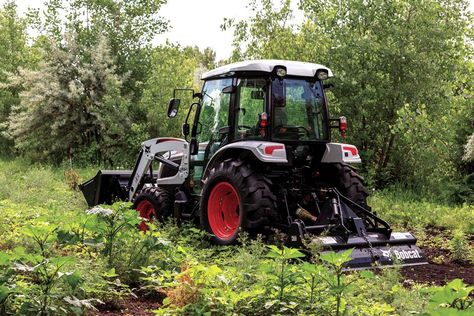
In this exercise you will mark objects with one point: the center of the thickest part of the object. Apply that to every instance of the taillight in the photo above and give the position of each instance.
(263, 122)
(343, 126)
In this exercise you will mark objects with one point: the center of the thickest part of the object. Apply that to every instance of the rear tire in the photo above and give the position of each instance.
(235, 197)
(349, 183)
(153, 203)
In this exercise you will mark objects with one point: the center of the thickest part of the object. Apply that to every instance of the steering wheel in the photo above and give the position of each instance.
(293, 127)
(244, 127)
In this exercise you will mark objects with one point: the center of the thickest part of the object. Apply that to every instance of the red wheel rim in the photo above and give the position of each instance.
(146, 210)
(223, 210)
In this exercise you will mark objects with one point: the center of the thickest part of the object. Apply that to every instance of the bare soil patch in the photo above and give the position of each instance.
(140, 306)
(441, 268)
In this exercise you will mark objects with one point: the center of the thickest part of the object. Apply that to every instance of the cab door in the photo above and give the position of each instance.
(214, 115)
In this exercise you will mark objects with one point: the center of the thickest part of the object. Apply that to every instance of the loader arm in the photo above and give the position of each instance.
(154, 149)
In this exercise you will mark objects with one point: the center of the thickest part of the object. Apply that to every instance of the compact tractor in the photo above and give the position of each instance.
(257, 156)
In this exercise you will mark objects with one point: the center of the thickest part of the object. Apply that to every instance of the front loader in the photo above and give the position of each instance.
(257, 155)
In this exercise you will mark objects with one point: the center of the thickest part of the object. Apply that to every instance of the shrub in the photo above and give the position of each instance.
(459, 246)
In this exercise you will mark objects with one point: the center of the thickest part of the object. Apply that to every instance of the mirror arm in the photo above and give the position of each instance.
(196, 118)
(189, 112)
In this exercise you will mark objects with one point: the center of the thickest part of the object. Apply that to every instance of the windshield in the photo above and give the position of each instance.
(298, 110)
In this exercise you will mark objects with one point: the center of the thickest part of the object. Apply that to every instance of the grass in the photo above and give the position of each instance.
(39, 186)
(403, 211)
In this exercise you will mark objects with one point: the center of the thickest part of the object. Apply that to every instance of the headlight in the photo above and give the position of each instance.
(322, 75)
(280, 71)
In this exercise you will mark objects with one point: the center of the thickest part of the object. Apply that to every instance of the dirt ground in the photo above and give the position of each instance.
(441, 268)
(139, 306)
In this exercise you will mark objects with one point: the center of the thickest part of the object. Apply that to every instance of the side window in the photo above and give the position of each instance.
(215, 109)
(251, 96)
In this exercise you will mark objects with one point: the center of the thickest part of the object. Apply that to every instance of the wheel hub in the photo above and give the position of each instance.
(223, 210)
(146, 210)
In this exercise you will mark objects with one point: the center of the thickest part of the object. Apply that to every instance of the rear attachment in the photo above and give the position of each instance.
(344, 225)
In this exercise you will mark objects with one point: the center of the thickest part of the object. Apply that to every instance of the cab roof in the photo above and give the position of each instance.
(293, 68)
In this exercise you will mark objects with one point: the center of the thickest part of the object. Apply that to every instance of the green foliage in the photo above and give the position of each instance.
(336, 281)
(384, 46)
(111, 224)
(75, 95)
(36, 283)
(128, 26)
(459, 246)
(284, 277)
(452, 299)
(58, 258)
(268, 34)
(171, 67)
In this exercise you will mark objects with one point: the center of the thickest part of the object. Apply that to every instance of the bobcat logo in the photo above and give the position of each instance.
(401, 254)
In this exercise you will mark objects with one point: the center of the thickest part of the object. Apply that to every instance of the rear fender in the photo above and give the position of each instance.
(267, 152)
(341, 153)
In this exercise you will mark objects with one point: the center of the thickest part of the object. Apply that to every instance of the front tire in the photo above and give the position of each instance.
(153, 203)
(235, 197)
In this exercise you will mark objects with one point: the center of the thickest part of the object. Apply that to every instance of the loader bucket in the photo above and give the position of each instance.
(106, 187)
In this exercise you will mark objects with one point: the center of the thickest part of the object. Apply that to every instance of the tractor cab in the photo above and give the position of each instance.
(265, 100)
(271, 101)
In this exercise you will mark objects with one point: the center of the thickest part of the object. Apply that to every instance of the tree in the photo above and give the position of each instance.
(268, 34)
(14, 53)
(172, 67)
(469, 149)
(128, 25)
(71, 106)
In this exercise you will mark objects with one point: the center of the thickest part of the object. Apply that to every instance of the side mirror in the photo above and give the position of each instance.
(173, 107)
(185, 129)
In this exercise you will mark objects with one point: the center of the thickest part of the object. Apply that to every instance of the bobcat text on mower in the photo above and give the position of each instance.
(257, 154)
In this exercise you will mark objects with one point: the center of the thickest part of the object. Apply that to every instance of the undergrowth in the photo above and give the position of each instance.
(58, 258)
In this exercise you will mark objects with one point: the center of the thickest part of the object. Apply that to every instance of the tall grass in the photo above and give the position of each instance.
(403, 209)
